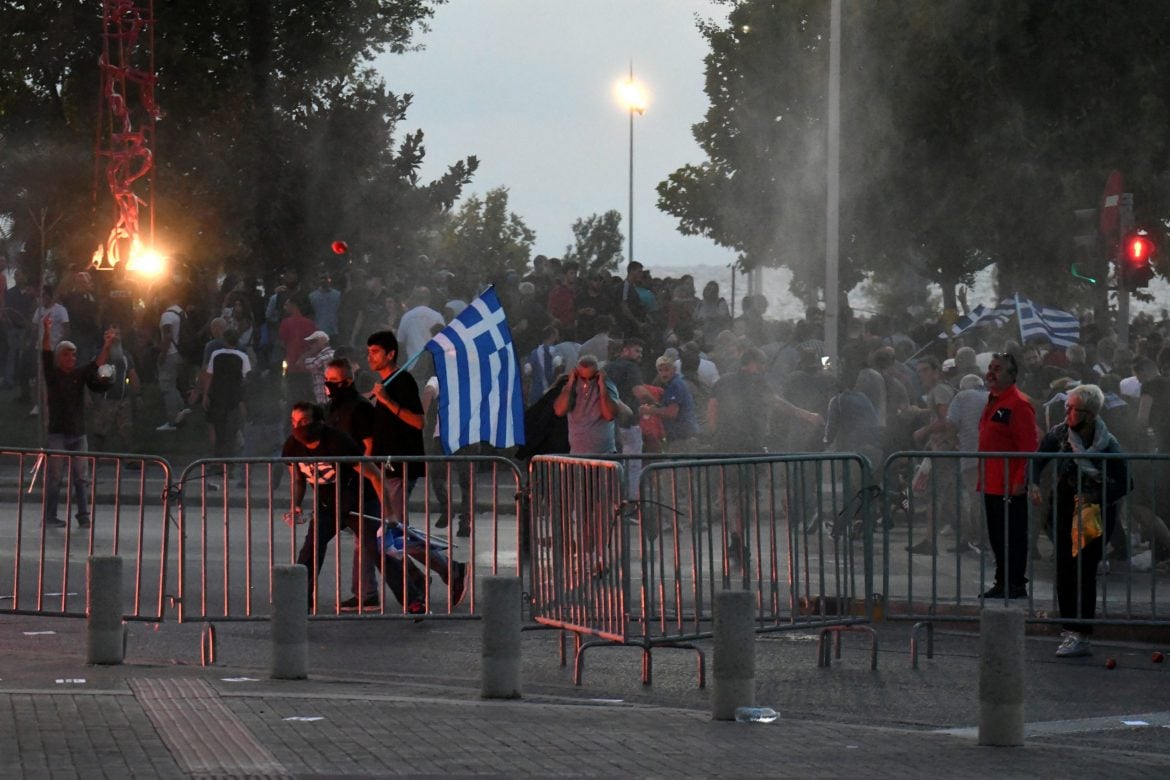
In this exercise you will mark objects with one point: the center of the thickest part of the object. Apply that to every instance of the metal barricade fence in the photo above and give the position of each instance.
(60, 507)
(579, 546)
(781, 526)
(238, 519)
(937, 560)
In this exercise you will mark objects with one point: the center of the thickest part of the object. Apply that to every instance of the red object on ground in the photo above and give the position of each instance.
(340, 247)
(1110, 663)
(1157, 657)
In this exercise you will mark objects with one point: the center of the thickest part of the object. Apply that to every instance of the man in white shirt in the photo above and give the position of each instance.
(414, 329)
(170, 363)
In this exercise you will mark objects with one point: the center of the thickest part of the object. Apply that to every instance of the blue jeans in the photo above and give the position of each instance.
(78, 475)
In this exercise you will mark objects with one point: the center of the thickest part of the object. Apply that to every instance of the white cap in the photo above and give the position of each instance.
(317, 334)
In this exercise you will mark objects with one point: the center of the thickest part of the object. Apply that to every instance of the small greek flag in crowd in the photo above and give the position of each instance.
(1060, 327)
(479, 378)
(982, 315)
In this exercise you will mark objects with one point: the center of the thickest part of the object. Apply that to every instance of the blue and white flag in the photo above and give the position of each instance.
(479, 378)
(1061, 328)
(982, 315)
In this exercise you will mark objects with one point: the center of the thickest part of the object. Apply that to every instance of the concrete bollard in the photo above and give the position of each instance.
(105, 634)
(290, 623)
(500, 671)
(1001, 676)
(735, 653)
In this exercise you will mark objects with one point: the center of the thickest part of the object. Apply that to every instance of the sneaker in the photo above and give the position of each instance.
(1073, 646)
(441, 522)
(182, 415)
(351, 604)
(464, 528)
(995, 592)
(55, 523)
(458, 583)
(1018, 592)
(416, 607)
(83, 522)
(925, 547)
(34, 412)
(166, 427)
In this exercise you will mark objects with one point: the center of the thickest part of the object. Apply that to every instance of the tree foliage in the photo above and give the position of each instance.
(597, 242)
(970, 133)
(484, 240)
(277, 136)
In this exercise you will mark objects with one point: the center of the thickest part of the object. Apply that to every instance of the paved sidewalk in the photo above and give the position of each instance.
(401, 699)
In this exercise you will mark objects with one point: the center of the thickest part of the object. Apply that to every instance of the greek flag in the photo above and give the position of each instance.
(982, 315)
(479, 378)
(1060, 327)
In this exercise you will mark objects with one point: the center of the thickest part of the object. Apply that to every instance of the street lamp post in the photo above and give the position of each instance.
(633, 97)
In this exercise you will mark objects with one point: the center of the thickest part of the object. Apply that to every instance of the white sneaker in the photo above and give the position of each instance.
(1073, 646)
(166, 427)
(34, 412)
(182, 415)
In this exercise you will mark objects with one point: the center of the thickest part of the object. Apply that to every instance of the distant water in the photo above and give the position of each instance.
(782, 305)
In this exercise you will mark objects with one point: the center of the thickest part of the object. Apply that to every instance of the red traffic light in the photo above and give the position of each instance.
(1139, 249)
(1135, 264)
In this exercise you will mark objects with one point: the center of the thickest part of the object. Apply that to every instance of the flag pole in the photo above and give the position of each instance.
(414, 358)
(405, 366)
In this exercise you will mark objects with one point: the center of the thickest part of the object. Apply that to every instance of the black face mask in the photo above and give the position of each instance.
(309, 434)
(335, 389)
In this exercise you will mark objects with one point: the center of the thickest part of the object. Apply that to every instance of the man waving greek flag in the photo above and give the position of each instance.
(479, 378)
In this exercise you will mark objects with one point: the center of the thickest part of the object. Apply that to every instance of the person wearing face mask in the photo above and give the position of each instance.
(65, 384)
(347, 410)
(1084, 487)
(339, 498)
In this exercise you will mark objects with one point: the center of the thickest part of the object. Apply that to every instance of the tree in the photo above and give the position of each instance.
(277, 137)
(970, 133)
(597, 242)
(482, 240)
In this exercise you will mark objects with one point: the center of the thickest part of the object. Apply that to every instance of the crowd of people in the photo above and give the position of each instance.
(631, 364)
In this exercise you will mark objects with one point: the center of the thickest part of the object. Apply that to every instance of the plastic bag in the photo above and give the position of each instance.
(1086, 524)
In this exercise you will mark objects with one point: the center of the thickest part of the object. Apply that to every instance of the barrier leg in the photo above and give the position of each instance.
(918, 627)
(290, 623)
(1001, 676)
(500, 670)
(105, 634)
(207, 646)
(735, 653)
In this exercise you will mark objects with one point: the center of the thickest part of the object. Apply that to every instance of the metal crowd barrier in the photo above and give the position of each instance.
(238, 520)
(105, 504)
(644, 573)
(931, 571)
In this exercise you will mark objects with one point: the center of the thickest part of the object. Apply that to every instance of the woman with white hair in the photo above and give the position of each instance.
(1083, 508)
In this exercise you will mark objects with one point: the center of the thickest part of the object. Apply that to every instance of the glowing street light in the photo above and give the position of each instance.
(632, 96)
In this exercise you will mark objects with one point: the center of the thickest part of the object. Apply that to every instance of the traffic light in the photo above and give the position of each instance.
(1135, 265)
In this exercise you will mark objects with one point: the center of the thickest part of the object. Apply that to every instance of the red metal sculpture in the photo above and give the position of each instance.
(127, 114)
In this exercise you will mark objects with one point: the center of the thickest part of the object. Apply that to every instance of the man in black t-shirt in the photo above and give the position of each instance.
(65, 384)
(398, 427)
(223, 392)
(338, 491)
(348, 411)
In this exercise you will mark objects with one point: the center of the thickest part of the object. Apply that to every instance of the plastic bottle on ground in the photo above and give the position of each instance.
(756, 714)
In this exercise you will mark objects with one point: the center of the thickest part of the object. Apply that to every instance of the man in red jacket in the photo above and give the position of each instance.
(1008, 424)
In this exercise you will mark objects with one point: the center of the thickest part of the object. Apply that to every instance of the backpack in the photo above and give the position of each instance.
(189, 345)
